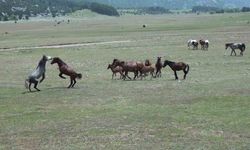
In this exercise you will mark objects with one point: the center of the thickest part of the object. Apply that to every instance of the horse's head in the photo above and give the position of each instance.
(46, 58)
(147, 62)
(227, 45)
(109, 66)
(166, 62)
(54, 60)
(115, 60)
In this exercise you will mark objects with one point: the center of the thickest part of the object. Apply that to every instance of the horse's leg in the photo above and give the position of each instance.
(43, 77)
(234, 53)
(113, 76)
(60, 75)
(231, 52)
(71, 82)
(35, 86)
(135, 74)
(29, 86)
(185, 73)
(74, 82)
(176, 77)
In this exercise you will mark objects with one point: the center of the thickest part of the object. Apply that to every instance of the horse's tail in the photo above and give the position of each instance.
(187, 68)
(78, 75)
(26, 83)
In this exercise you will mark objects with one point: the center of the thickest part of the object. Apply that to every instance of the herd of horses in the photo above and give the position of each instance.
(140, 69)
(204, 44)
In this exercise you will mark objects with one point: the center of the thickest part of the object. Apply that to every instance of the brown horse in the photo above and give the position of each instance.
(177, 66)
(129, 66)
(116, 70)
(202, 43)
(65, 69)
(158, 67)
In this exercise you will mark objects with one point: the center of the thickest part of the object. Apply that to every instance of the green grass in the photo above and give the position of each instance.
(209, 110)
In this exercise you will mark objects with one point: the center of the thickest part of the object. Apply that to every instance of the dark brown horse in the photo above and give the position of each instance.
(177, 66)
(158, 67)
(129, 66)
(202, 43)
(65, 69)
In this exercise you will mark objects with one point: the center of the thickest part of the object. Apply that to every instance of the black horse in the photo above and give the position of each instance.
(37, 73)
(233, 46)
(177, 66)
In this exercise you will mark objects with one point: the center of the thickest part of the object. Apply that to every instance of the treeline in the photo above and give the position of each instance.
(197, 9)
(20, 9)
(145, 10)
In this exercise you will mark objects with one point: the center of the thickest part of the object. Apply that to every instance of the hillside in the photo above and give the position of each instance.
(175, 4)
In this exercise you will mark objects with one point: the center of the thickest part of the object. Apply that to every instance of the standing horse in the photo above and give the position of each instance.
(158, 66)
(233, 46)
(204, 44)
(37, 73)
(65, 69)
(177, 66)
(193, 43)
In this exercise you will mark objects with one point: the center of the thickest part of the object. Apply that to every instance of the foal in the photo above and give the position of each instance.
(177, 66)
(65, 69)
(116, 70)
(37, 73)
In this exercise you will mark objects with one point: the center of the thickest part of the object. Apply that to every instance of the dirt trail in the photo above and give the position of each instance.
(62, 45)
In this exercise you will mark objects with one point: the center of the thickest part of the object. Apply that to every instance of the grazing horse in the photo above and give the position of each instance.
(204, 44)
(65, 69)
(193, 43)
(37, 73)
(129, 66)
(233, 46)
(158, 67)
(177, 66)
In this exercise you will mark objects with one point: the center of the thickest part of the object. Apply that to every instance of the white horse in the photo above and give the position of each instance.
(192, 43)
(206, 44)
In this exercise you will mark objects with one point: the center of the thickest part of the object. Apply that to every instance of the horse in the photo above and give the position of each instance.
(116, 70)
(204, 44)
(147, 69)
(65, 69)
(233, 46)
(177, 66)
(129, 66)
(37, 73)
(193, 43)
(158, 67)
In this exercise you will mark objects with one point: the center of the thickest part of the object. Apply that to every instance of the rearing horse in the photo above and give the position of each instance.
(37, 73)
(177, 66)
(65, 69)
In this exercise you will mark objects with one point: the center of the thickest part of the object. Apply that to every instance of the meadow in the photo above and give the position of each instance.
(208, 110)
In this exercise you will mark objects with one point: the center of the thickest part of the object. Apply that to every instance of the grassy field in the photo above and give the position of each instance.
(209, 110)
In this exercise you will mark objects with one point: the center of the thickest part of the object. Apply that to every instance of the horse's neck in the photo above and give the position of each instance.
(41, 64)
(171, 63)
(61, 63)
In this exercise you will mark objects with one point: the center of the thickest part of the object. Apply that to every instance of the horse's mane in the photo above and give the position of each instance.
(60, 61)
